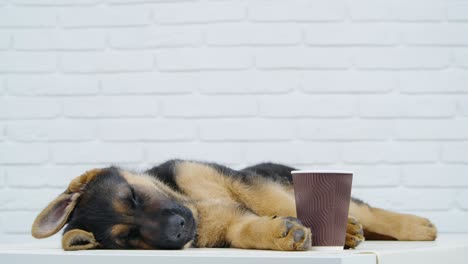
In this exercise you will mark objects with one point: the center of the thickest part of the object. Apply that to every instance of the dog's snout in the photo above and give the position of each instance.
(171, 227)
(175, 229)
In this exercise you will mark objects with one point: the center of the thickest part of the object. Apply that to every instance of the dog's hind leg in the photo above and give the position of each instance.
(382, 224)
(265, 198)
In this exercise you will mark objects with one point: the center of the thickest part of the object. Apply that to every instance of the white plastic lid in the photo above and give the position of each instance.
(321, 171)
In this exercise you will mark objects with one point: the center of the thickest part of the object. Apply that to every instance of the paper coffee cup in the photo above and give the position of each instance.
(322, 204)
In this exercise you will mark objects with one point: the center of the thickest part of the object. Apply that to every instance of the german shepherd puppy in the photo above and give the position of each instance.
(180, 203)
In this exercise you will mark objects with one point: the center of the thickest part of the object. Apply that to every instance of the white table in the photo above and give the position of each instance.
(448, 249)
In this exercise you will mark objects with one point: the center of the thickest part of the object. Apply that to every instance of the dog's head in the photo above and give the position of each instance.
(115, 209)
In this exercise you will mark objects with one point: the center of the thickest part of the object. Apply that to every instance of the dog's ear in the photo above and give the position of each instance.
(56, 214)
(77, 239)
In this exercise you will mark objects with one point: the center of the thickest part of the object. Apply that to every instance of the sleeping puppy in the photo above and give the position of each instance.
(180, 204)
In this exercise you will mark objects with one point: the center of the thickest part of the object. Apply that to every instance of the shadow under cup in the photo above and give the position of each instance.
(322, 204)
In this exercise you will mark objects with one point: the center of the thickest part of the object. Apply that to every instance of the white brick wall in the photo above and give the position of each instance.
(376, 86)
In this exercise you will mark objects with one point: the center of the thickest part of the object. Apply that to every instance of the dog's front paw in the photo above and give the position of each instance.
(354, 233)
(290, 234)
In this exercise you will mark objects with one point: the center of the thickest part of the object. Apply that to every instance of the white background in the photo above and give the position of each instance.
(379, 87)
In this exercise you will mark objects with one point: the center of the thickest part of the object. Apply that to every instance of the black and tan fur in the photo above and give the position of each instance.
(180, 204)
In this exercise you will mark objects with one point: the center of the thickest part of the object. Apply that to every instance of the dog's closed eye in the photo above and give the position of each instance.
(133, 197)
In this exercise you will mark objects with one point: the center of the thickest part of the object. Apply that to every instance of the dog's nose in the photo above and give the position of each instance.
(176, 225)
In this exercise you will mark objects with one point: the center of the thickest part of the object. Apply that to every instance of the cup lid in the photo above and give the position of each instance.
(321, 171)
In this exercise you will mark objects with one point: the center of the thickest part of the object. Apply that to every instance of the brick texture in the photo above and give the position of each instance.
(379, 87)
